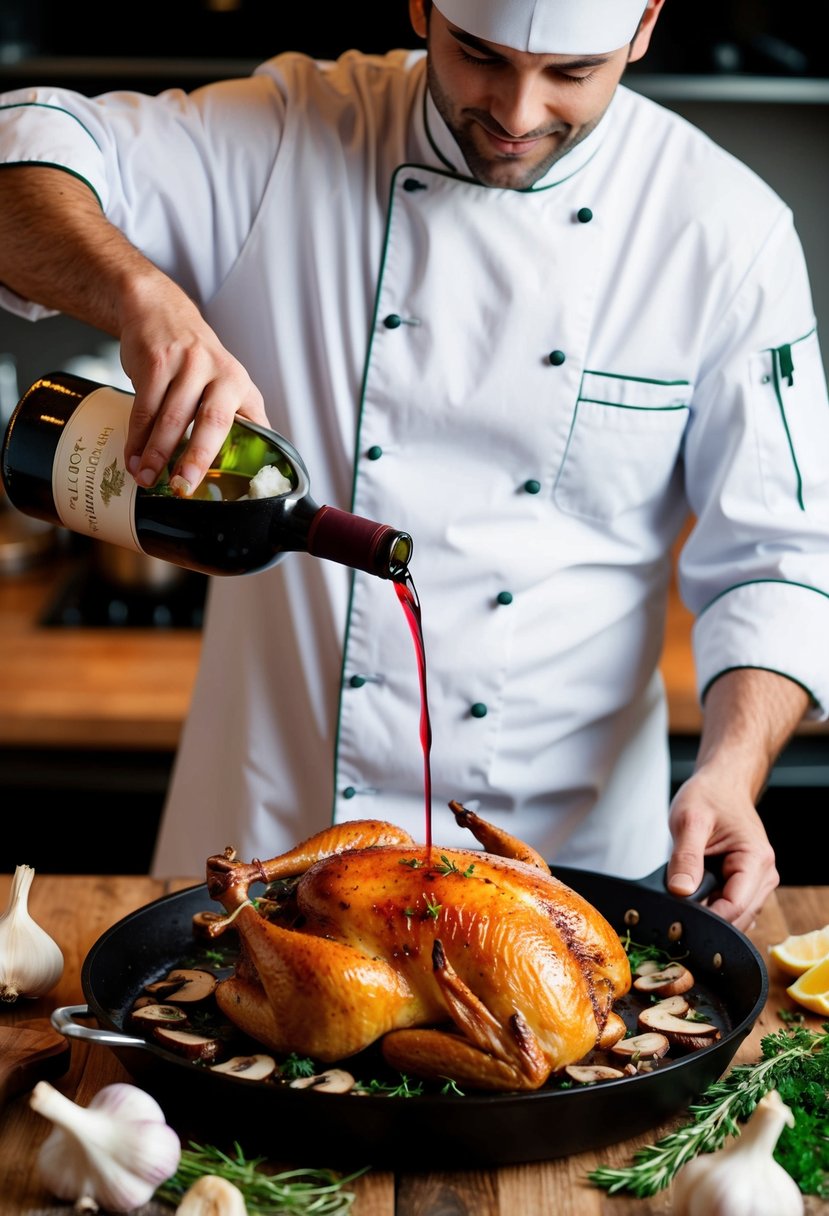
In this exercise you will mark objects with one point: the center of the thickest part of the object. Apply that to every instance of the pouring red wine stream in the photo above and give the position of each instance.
(407, 594)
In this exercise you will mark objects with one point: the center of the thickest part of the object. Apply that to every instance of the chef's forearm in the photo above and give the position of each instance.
(57, 249)
(748, 716)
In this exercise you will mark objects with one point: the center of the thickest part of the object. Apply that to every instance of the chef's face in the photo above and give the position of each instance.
(512, 113)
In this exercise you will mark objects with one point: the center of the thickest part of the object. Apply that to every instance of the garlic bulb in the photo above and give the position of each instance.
(212, 1196)
(742, 1179)
(31, 963)
(111, 1154)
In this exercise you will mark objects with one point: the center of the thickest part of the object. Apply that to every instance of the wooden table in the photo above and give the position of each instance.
(76, 910)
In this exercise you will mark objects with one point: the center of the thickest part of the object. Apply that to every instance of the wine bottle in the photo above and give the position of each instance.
(63, 461)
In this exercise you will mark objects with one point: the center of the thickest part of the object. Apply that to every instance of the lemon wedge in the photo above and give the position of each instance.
(800, 951)
(811, 989)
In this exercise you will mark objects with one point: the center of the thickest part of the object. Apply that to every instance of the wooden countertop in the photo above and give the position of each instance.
(131, 688)
(75, 910)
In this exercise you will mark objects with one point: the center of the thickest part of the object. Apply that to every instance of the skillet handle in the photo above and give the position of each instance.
(711, 881)
(63, 1020)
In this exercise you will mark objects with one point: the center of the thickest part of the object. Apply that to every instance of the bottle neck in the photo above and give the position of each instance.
(360, 543)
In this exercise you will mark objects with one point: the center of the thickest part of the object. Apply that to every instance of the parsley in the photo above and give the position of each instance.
(796, 1064)
(294, 1066)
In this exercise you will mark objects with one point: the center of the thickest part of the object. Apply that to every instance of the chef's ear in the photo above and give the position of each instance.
(642, 38)
(419, 16)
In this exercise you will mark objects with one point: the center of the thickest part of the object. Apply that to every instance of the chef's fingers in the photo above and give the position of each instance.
(182, 376)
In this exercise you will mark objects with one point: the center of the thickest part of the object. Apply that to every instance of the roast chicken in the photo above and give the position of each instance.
(473, 964)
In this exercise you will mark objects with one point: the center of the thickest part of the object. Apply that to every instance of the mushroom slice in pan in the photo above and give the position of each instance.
(647, 1046)
(589, 1074)
(186, 1043)
(184, 985)
(680, 1031)
(151, 1015)
(670, 981)
(332, 1081)
(257, 1067)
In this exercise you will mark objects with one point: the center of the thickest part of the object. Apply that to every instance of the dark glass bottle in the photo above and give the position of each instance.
(63, 461)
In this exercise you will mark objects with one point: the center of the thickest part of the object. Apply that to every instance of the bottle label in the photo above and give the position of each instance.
(93, 492)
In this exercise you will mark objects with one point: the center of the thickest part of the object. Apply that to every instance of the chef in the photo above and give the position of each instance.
(501, 301)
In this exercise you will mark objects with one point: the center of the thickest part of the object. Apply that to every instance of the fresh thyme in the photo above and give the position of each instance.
(432, 907)
(796, 1064)
(449, 867)
(294, 1192)
(404, 1088)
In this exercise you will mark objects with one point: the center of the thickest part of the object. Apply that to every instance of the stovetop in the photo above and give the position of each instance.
(85, 599)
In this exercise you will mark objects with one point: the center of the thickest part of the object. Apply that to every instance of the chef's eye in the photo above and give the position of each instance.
(485, 61)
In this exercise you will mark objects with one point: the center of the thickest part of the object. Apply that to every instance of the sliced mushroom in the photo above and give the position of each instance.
(253, 1068)
(677, 1005)
(159, 1015)
(588, 1074)
(670, 981)
(332, 1081)
(682, 1032)
(209, 924)
(184, 985)
(648, 1046)
(186, 1043)
(647, 967)
(614, 1030)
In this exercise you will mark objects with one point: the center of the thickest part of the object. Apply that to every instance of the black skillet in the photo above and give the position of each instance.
(433, 1130)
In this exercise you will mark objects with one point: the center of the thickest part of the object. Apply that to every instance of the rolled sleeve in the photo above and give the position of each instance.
(773, 625)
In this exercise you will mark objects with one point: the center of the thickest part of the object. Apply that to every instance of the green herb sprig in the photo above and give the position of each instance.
(796, 1064)
(294, 1192)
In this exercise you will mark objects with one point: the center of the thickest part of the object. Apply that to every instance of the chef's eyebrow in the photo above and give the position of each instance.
(484, 48)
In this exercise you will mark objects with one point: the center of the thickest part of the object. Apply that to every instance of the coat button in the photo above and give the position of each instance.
(532, 486)
(374, 452)
(478, 710)
(504, 597)
(392, 321)
(411, 184)
(584, 215)
(357, 681)
(557, 357)
(349, 792)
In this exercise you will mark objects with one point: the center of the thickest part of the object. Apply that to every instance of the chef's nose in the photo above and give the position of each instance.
(521, 105)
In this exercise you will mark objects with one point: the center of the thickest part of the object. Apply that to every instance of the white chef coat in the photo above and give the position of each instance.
(539, 386)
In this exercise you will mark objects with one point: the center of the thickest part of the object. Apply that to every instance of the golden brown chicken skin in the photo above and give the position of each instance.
(475, 965)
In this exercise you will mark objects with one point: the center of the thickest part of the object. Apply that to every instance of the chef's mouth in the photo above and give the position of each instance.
(510, 146)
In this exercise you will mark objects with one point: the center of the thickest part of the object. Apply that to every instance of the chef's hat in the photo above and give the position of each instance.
(548, 27)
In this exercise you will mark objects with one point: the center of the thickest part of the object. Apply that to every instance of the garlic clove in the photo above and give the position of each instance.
(112, 1154)
(212, 1196)
(743, 1178)
(31, 963)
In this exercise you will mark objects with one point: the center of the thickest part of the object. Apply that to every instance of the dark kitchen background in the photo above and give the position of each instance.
(747, 36)
(754, 74)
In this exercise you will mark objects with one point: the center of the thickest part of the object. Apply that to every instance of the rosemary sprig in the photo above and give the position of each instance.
(295, 1192)
(795, 1062)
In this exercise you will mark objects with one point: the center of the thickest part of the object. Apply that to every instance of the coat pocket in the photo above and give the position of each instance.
(624, 444)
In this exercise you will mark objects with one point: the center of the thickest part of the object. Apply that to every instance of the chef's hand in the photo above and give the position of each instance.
(748, 716)
(709, 819)
(181, 373)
